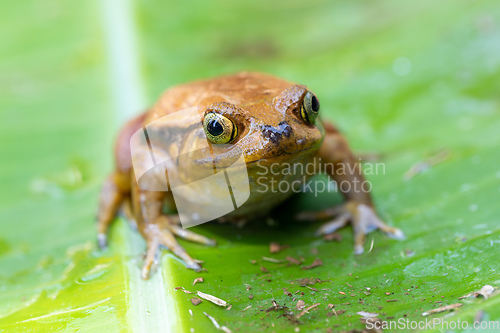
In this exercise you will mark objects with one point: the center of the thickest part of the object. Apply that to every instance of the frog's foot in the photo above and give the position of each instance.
(363, 219)
(163, 234)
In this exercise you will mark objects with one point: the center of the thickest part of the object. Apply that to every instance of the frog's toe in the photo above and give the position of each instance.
(151, 256)
(334, 225)
(102, 241)
(161, 237)
(192, 236)
(363, 219)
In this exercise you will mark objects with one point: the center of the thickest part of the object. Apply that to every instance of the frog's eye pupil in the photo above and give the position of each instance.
(219, 129)
(315, 104)
(215, 128)
(310, 108)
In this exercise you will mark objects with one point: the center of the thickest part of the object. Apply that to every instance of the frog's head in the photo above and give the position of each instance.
(271, 123)
(268, 125)
(267, 120)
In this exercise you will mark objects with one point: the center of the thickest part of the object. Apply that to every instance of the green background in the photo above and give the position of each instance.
(401, 79)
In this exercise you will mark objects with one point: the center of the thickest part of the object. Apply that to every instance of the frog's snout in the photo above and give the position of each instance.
(275, 134)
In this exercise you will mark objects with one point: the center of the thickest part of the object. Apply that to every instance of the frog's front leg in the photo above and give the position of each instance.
(159, 229)
(341, 165)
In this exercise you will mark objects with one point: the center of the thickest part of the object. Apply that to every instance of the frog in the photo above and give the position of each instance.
(273, 123)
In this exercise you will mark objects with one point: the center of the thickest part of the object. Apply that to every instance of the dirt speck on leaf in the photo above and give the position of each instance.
(317, 262)
(367, 314)
(195, 301)
(198, 279)
(275, 247)
(293, 260)
(333, 237)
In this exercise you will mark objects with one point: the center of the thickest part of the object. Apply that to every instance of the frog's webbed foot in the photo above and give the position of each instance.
(362, 217)
(163, 233)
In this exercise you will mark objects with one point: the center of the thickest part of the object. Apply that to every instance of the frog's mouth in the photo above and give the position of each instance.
(275, 158)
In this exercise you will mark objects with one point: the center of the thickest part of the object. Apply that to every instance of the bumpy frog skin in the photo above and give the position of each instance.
(271, 130)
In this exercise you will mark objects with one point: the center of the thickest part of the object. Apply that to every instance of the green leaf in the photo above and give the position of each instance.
(403, 80)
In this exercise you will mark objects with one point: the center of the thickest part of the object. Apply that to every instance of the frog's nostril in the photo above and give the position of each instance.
(271, 133)
(276, 134)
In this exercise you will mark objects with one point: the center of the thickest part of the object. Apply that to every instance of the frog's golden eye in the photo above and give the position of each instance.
(310, 108)
(219, 129)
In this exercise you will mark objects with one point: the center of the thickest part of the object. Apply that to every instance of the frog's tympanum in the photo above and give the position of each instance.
(274, 124)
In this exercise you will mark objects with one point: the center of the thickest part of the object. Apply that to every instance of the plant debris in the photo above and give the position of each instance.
(309, 281)
(485, 292)
(276, 307)
(198, 279)
(367, 314)
(277, 261)
(442, 309)
(263, 276)
(426, 164)
(300, 304)
(275, 247)
(184, 290)
(212, 299)
(248, 307)
(195, 301)
(216, 324)
(333, 237)
(293, 260)
(306, 310)
(317, 262)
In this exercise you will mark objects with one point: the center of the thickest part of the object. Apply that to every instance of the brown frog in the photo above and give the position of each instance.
(274, 125)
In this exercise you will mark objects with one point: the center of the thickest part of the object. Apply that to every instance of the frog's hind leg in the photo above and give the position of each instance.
(116, 188)
(127, 212)
(113, 194)
(340, 164)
